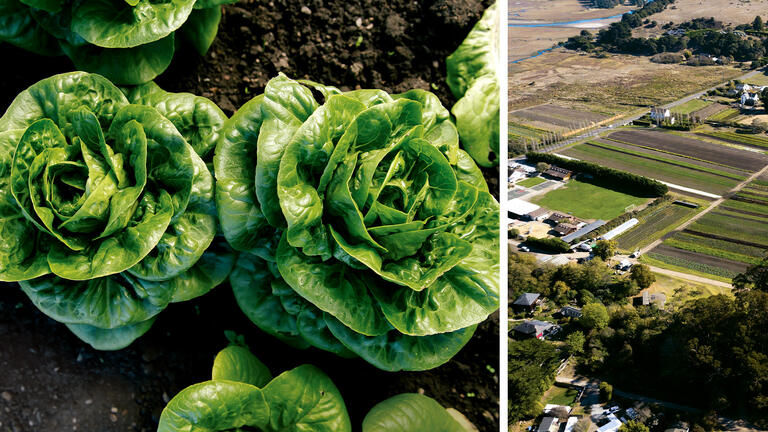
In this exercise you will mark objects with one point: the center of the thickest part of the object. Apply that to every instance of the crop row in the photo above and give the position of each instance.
(738, 228)
(712, 243)
(724, 115)
(654, 226)
(695, 246)
(687, 165)
(654, 169)
(687, 264)
(739, 138)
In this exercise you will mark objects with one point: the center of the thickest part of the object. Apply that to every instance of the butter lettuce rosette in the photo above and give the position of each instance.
(106, 210)
(366, 230)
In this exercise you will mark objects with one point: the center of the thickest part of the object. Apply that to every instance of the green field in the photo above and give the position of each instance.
(520, 130)
(588, 201)
(655, 225)
(656, 169)
(691, 106)
(760, 80)
(724, 115)
(679, 291)
(531, 182)
(560, 396)
(685, 266)
(755, 140)
(735, 231)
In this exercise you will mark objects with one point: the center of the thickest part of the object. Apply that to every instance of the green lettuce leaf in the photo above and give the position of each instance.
(410, 412)
(472, 77)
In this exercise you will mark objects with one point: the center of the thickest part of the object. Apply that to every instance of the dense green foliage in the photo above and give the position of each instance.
(129, 42)
(551, 244)
(472, 77)
(242, 395)
(612, 178)
(365, 229)
(106, 208)
(532, 367)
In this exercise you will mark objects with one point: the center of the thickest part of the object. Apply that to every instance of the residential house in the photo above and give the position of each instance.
(750, 99)
(646, 298)
(570, 312)
(558, 173)
(549, 424)
(678, 427)
(662, 114)
(570, 424)
(538, 214)
(557, 218)
(565, 228)
(519, 208)
(743, 88)
(527, 302)
(613, 424)
(537, 329)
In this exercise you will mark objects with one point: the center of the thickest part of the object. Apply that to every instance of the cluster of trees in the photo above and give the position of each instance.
(551, 244)
(701, 36)
(590, 282)
(615, 179)
(711, 353)
(532, 367)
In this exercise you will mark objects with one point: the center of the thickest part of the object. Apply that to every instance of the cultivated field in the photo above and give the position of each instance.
(588, 201)
(726, 240)
(657, 167)
(693, 148)
(691, 106)
(756, 141)
(709, 111)
(655, 225)
(555, 118)
(733, 12)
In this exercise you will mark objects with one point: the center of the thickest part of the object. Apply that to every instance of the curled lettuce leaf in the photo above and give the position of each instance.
(364, 227)
(243, 394)
(410, 412)
(472, 77)
(107, 211)
(130, 42)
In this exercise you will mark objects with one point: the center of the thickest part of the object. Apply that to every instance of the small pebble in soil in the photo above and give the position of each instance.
(7, 396)
(306, 10)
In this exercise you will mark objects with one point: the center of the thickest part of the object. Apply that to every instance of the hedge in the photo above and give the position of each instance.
(548, 243)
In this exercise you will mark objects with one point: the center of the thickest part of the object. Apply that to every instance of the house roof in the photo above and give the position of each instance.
(527, 299)
(538, 213)
(520, 207)
(532, 327)
(556, 171)
(565, 228)
(570, 311)
(611, 426)
(547, 423)
(584, 230)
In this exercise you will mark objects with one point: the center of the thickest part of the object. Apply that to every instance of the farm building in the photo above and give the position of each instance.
(662, 114)
(557, 217)
(584, 231)
(538, 215)
(750, 99)
(537, 329)
(613, 424)
(565, 228)
(659, 299)
(549, 424)
(570, 312)
(527, 302)
(557, 260)
(620, 229)
(519, 208)
(558, 173)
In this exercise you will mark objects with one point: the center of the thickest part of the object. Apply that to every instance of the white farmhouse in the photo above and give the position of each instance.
(751, 99)
(662, 114)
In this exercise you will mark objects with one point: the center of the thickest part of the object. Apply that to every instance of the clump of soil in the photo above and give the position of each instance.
(52, 381)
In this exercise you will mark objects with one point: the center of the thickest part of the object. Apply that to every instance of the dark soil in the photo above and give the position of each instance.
(51, 381)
